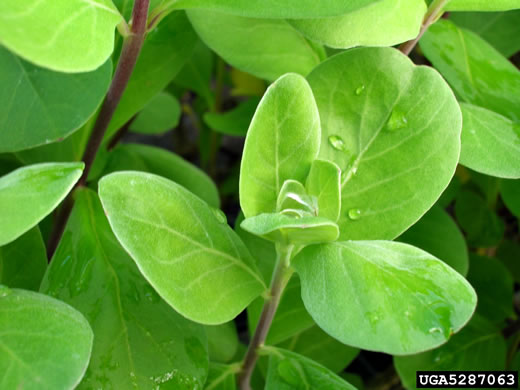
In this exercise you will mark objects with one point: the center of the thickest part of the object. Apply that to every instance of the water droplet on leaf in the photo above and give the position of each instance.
(354, 214)
(337, 142)
(396, 121)
(360, 90)
(435, 330)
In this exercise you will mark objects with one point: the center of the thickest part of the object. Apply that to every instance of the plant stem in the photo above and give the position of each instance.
(435, 11)
(281, 276)
(129, 54)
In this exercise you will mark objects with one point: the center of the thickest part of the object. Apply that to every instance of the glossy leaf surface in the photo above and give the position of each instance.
(29, 194)
(45, 343)
(273, 8)
(490, 142)
(51, 33)
(381, 23)
(161, 114)
(388, 125)
(266, 48)
(482, 5)
(282, 141)
(500, 29)
(475, 70)
(383, 296)
(283, 228)
(23, 261)
(479, 346)
(437, 234)
(39, 106)
(324, 182)
(138, 338)
(183, 247)
(161, 162)
(288, 370)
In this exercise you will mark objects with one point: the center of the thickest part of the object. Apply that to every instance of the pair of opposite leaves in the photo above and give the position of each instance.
(399, 127)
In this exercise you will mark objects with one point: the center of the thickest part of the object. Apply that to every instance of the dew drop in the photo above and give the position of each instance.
(435, 330)
(219, 214)
(396, 121)
(354, 214)
(4, 291)
(360, 90)
(337, 142)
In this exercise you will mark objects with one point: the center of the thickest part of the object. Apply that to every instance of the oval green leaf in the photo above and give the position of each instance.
(161, 114)
(23, 261)
(394, 130)
(437, 234)
(288, 370)
(383, 296)
(29, 194)
(510, 192)
(476, 70)
(282, 141)
(482, 5)
(39, 106)
(138, 338)
(287, 9)
(44, 343)
(381, 23)
(234, 122)
(490, 143)
(266, 48)
(52, 33)
(324, 182)
(182, 246)
(137, 157)
(291, 230)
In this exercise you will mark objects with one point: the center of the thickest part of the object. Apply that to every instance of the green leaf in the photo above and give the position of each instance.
(221, 377)
(23, 261)
(160, 115)
(510, 192)
(233, 122)
(324, 182)
(29, 194)
(509, 253)
(164, 53)
(500, 29)
(45, 344)
(291, 230)
(381, 23)
(482, 5)
(494, 286)
(450, 193)
(39, 106)
(477, 72)
(266, 48)
(290, 319)
(287, 9)
(383, 296)
(138, 338)
(126, 157)
(182, 246)
(52, 33)
(490, 142)
(479, 346)
(393, 128)
(437, 234)
(196, 73)
(288, 370)
(282, 141)
(482, 225)
(318, 346)
(222, 342)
